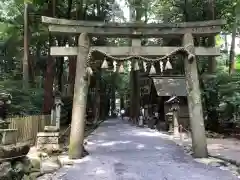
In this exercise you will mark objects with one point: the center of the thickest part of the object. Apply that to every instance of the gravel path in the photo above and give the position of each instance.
(119, 151)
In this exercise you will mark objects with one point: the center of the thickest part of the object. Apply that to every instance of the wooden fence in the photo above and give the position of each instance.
(28, 126)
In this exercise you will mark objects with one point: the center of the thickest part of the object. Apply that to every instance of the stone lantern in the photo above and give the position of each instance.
(173, 115)
(5, 100)
(55, 114)
(49, 139)
(7, 136)
(56, 111)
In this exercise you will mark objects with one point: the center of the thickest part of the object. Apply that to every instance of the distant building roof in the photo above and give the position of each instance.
(169, 86)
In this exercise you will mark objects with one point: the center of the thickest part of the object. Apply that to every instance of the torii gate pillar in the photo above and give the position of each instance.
(199, 143)
(79, 99)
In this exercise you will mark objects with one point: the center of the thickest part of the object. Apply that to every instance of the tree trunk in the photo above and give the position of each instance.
(131, 108)
(185, 11)
(107, 105)
(79, 100)
(60, 65)
(113, 95)
(226, 48)
(73, 60)
(50, 72)
(122, 102)
(136, 96)
(26, 49)
(232, 48)
(60, 60)
(199, 143)
(31, 70)
(132, 18)
(212, 64)
(98, 97)
(234, 32)
(48, 85)
(72, 73)
(113, 104)
(102, 99)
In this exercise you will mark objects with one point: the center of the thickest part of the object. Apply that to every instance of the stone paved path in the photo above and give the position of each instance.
(119, 151)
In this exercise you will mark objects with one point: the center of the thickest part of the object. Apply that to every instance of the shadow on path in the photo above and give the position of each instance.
(119, 151)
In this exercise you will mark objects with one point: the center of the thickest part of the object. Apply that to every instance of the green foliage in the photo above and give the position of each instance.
(237, 61)
(11, 41)
(122, 84)
(222, 94)
(224, 89)
(229, 90)
(219, 41)
(23, 101)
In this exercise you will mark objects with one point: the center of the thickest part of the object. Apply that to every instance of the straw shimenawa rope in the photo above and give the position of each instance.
(141, 58)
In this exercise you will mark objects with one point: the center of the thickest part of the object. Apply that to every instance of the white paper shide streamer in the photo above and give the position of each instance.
(114, 66)
(161, 66)
(168, 65)
(129, 66)
(145, 66)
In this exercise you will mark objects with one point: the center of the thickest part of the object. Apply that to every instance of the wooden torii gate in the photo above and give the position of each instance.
(135, 31)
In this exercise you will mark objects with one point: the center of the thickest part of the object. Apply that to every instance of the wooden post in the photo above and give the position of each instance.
(79, 99)
(199, 143)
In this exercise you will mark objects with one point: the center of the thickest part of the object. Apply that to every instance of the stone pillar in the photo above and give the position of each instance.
(79, 99)
(58, 104)
(199, 143)
(175, 123)
(174, 101)
(53, 116)
(169, 117)
(55, 113)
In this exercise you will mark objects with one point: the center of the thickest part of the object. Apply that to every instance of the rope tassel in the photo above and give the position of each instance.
(152, 70)
(89, 80)
(104, 64)
(114, 66)
(121, 69)
(161, 66)
(190, 57)
(89, 71)
(168, 65)
(129, 66)
(145, 66)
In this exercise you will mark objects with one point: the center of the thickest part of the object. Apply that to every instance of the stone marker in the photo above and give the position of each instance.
(8, 136)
